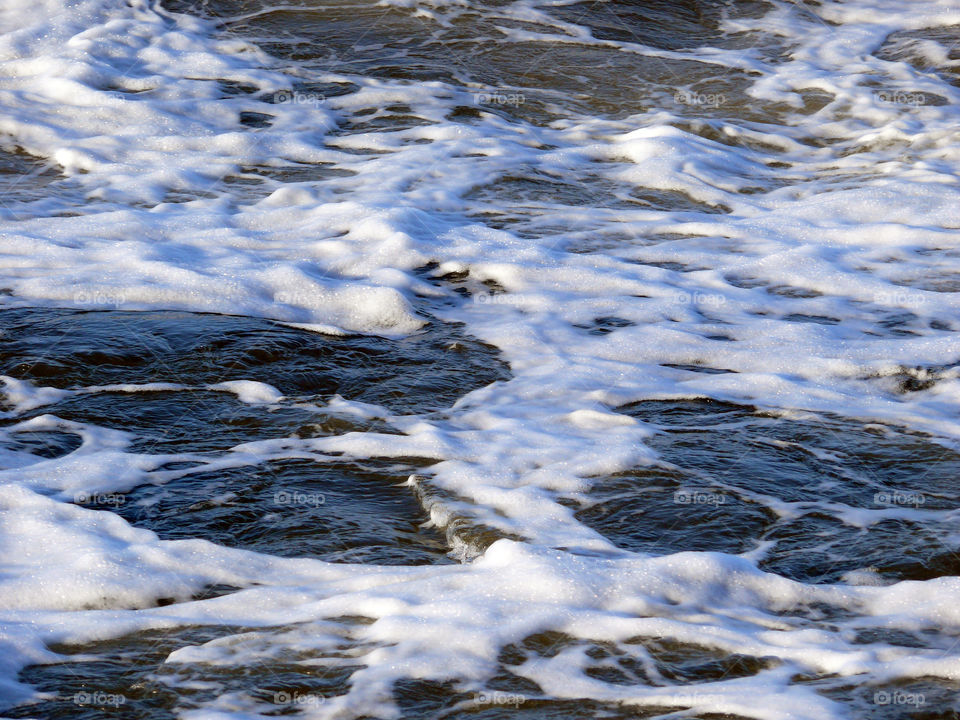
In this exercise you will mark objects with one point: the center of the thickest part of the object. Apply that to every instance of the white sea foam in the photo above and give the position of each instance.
(802, 238)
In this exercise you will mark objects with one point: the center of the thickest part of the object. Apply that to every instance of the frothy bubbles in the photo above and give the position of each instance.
(632, 203)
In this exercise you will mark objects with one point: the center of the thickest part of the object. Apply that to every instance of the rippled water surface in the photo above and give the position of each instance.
(504, 359)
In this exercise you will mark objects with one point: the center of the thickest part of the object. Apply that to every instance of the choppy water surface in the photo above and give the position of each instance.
(291, 504)
(507, 359)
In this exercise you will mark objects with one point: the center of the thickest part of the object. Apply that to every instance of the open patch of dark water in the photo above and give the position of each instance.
(336, 510)
(831, 496)
(73, 349)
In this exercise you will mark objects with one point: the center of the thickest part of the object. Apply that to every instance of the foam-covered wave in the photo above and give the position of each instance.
(635, 204)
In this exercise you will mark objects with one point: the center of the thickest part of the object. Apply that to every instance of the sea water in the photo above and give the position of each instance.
(507, 359)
